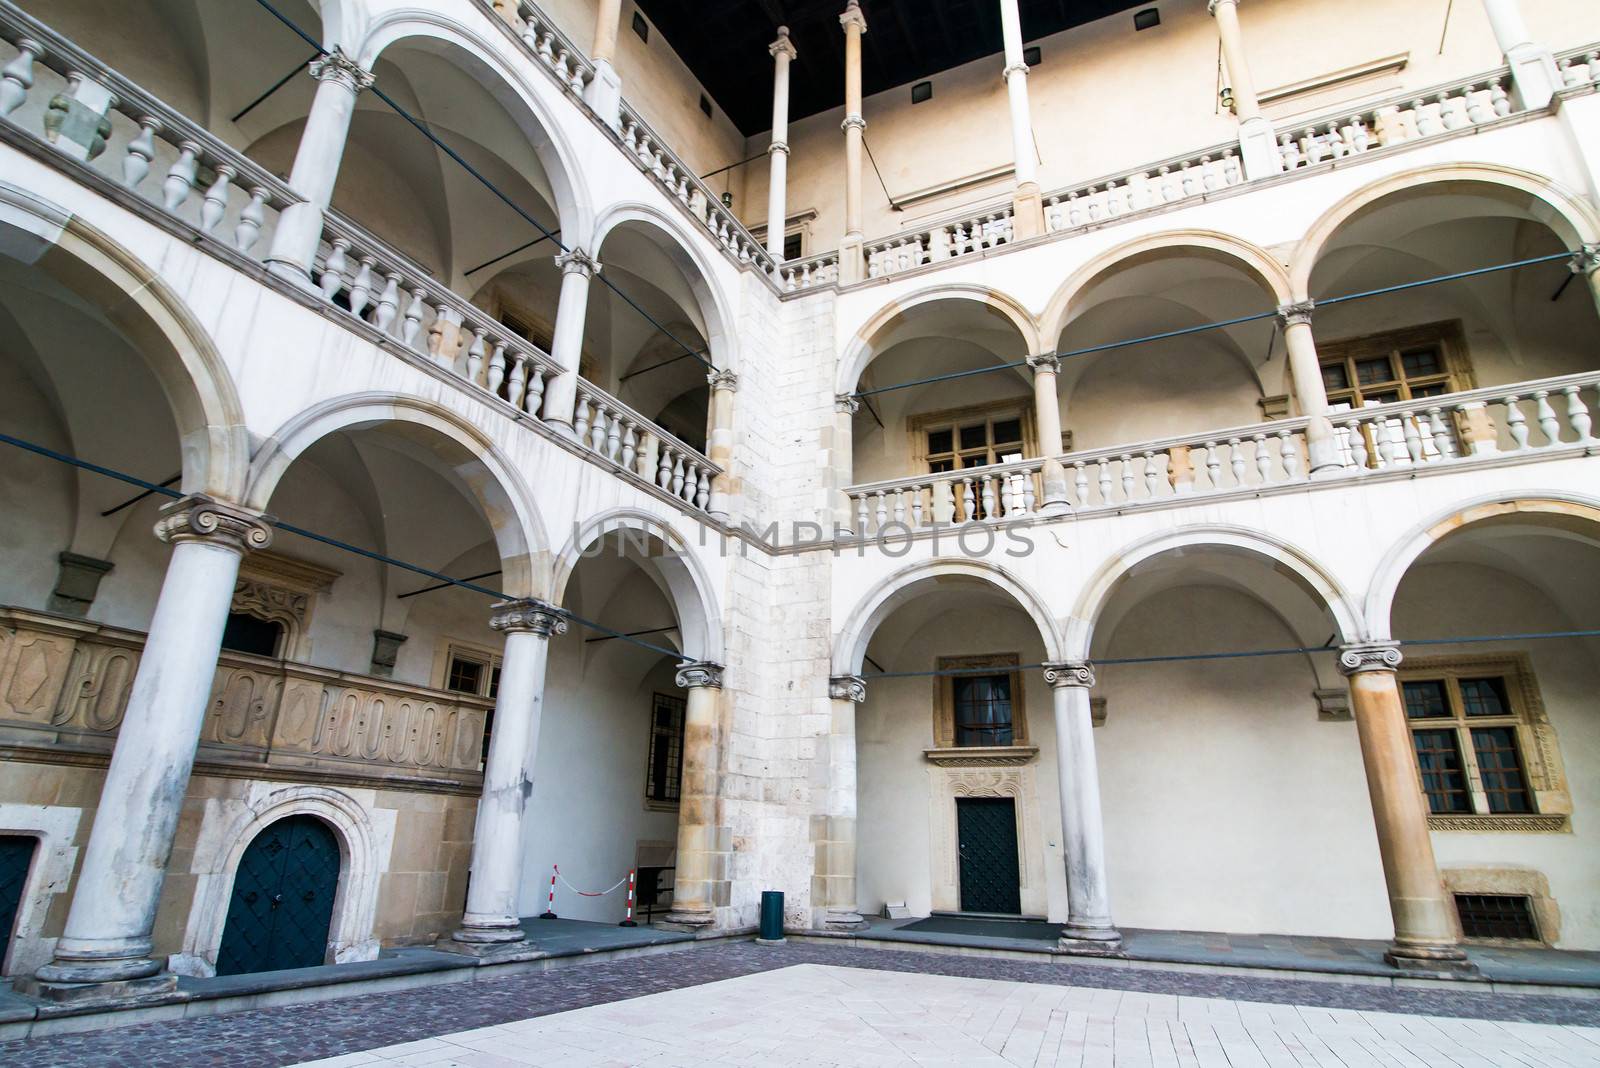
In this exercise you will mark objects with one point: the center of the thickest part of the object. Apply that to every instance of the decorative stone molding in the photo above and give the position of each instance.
(853, 122)
(1048, 362)
(1014, 68)
(1274, 407)
(1212, 5)
(282, 590)
(385, 651)
(722, 379)
(699, 673)
(1586, 260)
(1018, 782)
(982, 756)
(1333, 704)
(335, 66)
(527, 614)
(1523, 824)
(1359, 657)
(77, 583)
(55, 827)
(845, 404)
(198, 517)
(1097, 711)
(778, 146)
(1298, 314)
(1069, 673)
(783, 46)
(577, 261)
(229, 825)
(847, 688)
(853, 17)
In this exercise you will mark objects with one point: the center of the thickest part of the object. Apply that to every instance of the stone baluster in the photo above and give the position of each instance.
(862, 515)
(1549, 425)
(702, 495)
(881, 512)
(497, 367)
(677, 474)
(516, 377)
(1089, 928)
(333, 268)
(916, 506)
(630, 446)
(16, 77)
(536, 380)
(1578, 412)
(597, 430)
(141, 152)
(1358, 445)
(1263, 459)
(988, 498)
(1289, 453)
(179, 183)
(411, 318)
(1236, 461)
(1105, 482)
(389, 305)
(664, 467)
(1442, 438)
(1213, 466)
(1516, 422)
(251, 218)
(361, 287)
(581, 419)
(215, 204)
(1080, 483)
(1126, 467)
(1383, 441)
(614, 437)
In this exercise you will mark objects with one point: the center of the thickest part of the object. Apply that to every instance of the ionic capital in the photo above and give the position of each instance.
(201, 518)
(693, 674)
(1296, 314)
(847, 688)
(845, 404)
(1014, 68)
(853, 122)
(335, 66)
(1047, 362)
(722, 379)
(1360, 657)
(782, 46)
(778, 146)
(1586, 260)
(1212, 6)
(577, 261)
(526, 615)
(853, 17)
(1061, 673)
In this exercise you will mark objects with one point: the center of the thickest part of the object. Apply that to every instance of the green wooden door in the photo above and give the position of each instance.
(282, 901)
(987, 833)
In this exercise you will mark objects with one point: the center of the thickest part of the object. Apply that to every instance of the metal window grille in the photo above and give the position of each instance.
(1497, 916)
(664, 775)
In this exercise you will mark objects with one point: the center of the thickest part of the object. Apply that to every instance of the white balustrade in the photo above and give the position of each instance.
(1392, 122)
(613, 431)
(1434, 433)
(814, 271)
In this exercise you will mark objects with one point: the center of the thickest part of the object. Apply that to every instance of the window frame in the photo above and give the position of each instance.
(657, 804)
(920, 426)
(453, 650)
(944, 718)
(1544, 778)
(1456, 374)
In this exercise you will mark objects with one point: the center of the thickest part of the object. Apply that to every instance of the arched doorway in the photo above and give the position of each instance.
(16, 858)
(282, 903)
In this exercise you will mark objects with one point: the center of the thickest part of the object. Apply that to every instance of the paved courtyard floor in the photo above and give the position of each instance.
(809, 1004)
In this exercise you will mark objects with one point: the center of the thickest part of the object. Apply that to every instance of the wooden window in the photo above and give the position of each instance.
(664, 767)
(978, 707)
(1475, 722)
(983, 709)
(470, 670)
(1422, 361)
(971, 437)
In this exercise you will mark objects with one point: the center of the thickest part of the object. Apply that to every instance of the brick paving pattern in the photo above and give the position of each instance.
(271, 1038)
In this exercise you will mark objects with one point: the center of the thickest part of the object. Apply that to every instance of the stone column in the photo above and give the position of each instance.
(705, 847)
(340, 80)
(1257, 141)
(845, 408)
(572, 307)
(1047, 419)
(1533, 68)
(1089, 928)
(1424, 924)
(1028, 208)
(851, 263)
(1305, 370)
(1587, 263)
(604, 94)
(833, 826)
(783, 53)
(492, 916)
(719, 443)
(107, 941)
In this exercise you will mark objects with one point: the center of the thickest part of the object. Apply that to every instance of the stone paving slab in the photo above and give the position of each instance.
(271, 1038)
(844, 1017)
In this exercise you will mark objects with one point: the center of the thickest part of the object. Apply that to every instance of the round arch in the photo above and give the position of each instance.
(880, 602)
(227, 831)
(1306, 573)
(691, 262)
(679, 572)
(1573, 221)
(205, 404)
(1252, 259)
(505, 499)
(1392, 569)
(858, 352)
(505, 85)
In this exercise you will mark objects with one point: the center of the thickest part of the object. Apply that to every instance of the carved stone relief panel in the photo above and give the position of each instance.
(1018, 782)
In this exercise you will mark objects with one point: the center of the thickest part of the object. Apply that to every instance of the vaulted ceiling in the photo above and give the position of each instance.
(725, 43)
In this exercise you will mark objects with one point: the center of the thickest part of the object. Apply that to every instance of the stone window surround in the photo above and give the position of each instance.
(366, 840)
(945, 752)
(450, 649)
(55, 827)
(1515, 882)
(283, 590)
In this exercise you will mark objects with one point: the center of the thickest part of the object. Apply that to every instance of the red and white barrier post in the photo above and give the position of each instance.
(627, 921)
(549, 912)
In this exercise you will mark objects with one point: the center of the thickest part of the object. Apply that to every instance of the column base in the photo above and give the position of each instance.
(1090, 941)
(691, 921)
(490, 952)
(294, 274)
(159, 987)
(563, 428)
(1429, 957)
(487, 934)
(843, 920)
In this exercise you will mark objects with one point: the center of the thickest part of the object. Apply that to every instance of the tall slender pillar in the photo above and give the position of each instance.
(340, 80)
(1089, 928)
(845, 408)
(1533, 68)
(1305, 370)
(851, 263)
(705, 847)
(572, 306)
(1028, 208)
(783, 53)
(719, 442)
(604, 93)
(1257, 142)
(107, 941)
(492, 916)
(1424, 927)
(833, 825)
(1047, 420)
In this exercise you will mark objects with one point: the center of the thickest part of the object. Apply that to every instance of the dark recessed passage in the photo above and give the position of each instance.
(1497, 916)
(641, 27)
(921, 91)
(1147, 19)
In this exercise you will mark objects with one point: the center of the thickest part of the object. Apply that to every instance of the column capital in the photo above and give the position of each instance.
(1048, 362)
(778, 146)
(853, 17)
(783, 46)
(853, 122)
(527, 615)
(1062, 673)
(1297, 314)
(335, 66)
(1212, 5)
(1360, 657)
(847, 688)
(721, 378)
(1014, 68)
(577, 261)
(845, 404)
(201, 518)
(1586, 260)
(693, 674)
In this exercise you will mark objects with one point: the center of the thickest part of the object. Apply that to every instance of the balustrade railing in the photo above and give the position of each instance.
(554, 49)
(960, 236)
(1171, 180)
(1400, 119)
(1430, 434)
(1579, 67)
(812, 271)
(610, 429)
